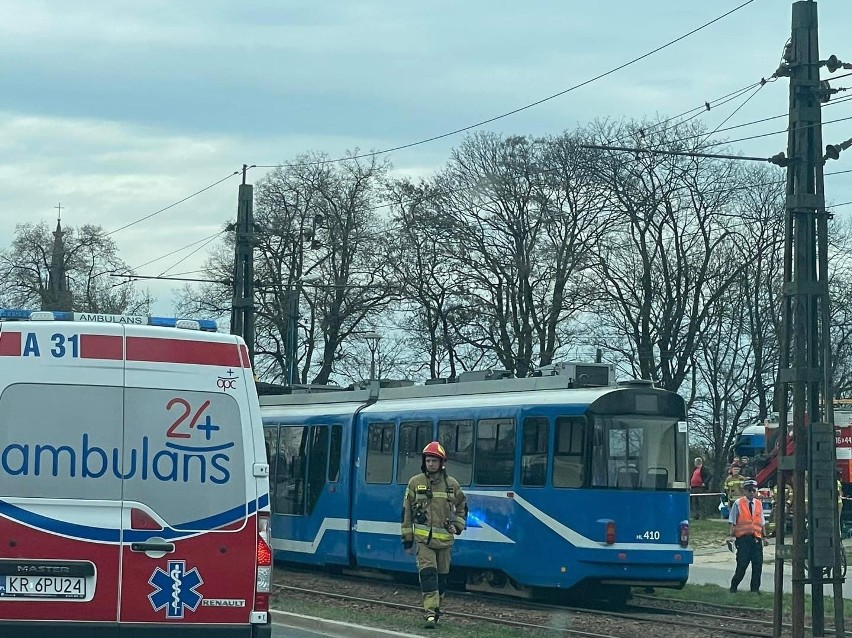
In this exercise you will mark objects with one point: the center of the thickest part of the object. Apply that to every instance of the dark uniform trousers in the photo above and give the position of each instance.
(749, 552)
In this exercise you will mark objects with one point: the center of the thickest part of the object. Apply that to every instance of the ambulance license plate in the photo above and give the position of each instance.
(42, 587)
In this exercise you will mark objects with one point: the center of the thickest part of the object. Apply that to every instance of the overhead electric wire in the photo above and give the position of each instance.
(733, 113)
(754, 137)
(522, 108)
(177, 250)
(185, 257)
(181, 201)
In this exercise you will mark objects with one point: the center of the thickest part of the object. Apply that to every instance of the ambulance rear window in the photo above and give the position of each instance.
(191, 467)
(178, 453)
(60, 441)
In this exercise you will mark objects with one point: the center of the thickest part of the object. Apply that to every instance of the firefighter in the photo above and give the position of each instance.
(733, 485)
(434, 511)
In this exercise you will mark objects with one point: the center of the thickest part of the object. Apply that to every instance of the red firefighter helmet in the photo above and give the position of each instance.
(435, 449)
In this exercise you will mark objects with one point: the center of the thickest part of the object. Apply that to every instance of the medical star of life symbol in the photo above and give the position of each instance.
(175, 589)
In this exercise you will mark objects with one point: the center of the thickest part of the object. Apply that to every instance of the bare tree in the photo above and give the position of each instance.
(430, 281)
(320, 257)
(669, 259)
(89, 257)
(523, 214)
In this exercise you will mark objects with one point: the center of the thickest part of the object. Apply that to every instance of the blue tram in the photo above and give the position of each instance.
(566, 486)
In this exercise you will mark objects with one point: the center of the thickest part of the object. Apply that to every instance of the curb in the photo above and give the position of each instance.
(333, 628)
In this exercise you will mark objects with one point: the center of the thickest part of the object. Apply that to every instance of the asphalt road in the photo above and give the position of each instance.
(280, 631)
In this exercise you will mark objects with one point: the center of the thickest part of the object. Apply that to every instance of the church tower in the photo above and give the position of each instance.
(57, 296)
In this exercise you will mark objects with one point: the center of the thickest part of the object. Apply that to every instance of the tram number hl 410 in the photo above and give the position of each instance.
(648, 536)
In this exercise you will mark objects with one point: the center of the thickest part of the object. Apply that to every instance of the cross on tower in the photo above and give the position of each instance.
(59, 208)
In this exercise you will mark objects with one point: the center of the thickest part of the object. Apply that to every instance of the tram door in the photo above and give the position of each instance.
(388, 458)
(307, 492)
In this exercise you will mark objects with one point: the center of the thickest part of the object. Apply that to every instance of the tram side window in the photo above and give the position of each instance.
(290, 469)
(568, 452)
(317, 465)
(413, 437)
(535, 438)
(380, 452)
(457, 438)
(334, 453)
(495, 452)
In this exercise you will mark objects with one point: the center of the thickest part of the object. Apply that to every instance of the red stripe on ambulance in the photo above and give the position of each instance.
(10, 344)
(244, 355)
(182, 351)
(101, 346)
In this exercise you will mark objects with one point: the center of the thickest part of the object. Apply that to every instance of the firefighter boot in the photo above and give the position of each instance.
(442, 587)
(431, 597)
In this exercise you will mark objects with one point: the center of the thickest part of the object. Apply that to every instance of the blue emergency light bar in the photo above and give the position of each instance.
(17, 314)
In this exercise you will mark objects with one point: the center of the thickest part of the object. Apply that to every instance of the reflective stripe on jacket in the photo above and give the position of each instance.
(430, 505)
(749, 524)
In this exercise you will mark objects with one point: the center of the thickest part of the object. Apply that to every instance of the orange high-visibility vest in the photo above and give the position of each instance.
(749, 524)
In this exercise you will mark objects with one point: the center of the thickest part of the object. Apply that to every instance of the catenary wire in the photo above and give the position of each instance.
(728, 97)
(190, 254)
(522, 108)
(177, 250)
(719, 130)
(181, 201)
(732, 114)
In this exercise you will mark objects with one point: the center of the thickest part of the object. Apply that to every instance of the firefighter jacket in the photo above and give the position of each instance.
(733, 487)
(430, 506)
(748, 523)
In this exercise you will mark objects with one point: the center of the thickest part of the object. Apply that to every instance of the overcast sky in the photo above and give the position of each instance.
(117, 109)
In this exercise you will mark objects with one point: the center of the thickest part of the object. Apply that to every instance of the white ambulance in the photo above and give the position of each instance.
(134, 494)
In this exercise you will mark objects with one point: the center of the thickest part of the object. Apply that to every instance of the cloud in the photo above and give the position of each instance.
(119, 109)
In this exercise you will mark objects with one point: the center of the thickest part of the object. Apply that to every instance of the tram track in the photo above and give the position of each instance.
(448, 614)
(732, 611)
(557, 618)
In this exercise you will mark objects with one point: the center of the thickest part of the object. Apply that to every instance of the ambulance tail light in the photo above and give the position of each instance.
(263, 585)
(610, 533)
(684, 534)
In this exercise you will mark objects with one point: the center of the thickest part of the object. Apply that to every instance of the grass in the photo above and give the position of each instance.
(706, 532)
(715, 595)
(403, 621)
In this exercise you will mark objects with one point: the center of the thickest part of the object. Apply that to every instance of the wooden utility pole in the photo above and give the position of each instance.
(805, 362)
(242, 300)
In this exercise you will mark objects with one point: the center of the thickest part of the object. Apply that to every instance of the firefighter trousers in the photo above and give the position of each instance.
(433, 565)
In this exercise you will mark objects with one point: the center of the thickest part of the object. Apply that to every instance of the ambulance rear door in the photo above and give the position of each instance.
(190, 531)
(61, 393)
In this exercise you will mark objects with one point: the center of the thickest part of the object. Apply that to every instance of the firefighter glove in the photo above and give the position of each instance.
(407, 544)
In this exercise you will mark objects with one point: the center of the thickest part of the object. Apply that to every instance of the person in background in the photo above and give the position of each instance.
(734, 463)
(434, 512)
(748, 535)
(746, 470)
(733, 485)
(698, 484)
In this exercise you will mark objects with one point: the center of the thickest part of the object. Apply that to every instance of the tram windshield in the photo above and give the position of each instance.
(638, 452)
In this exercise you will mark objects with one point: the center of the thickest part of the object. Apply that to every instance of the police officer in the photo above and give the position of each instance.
(434, 511)
(747, 523)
